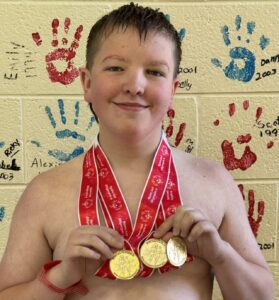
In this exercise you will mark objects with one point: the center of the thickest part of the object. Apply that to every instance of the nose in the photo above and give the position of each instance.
(134, 83)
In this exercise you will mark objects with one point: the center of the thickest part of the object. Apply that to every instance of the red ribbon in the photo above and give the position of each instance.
(159, 200)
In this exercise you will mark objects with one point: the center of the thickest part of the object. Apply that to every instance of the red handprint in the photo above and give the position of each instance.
(169, 129)
(254, 223)
(248, 157)
(66, 54)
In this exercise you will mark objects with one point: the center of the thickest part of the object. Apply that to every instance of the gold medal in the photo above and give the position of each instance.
(153, 253)
(176, 251)
(124, 264)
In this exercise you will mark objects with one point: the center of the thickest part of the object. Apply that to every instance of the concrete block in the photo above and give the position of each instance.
(38, 56)
(11, 145)
(242, 133)
(261, 202)
(8, 201)
(56, 130)
(184, 134)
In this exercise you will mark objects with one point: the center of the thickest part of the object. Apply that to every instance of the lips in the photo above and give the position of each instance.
(132, 106)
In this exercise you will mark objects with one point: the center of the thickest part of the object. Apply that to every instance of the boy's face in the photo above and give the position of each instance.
(131, 83)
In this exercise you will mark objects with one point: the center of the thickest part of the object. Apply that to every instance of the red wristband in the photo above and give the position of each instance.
(77, 288)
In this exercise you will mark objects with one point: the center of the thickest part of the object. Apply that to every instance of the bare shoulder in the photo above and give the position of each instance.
(201, 185)
(212, 189)
(60, 178)
(206, 174)
(199, 165)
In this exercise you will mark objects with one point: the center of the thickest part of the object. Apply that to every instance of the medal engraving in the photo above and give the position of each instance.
(176, 251)
(153, 253)
(124, 265)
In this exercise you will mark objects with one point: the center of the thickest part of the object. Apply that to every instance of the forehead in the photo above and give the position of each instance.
(153, 43)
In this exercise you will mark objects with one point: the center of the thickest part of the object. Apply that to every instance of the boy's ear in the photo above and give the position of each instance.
(86, 82)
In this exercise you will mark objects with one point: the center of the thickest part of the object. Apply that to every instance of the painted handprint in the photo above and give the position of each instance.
(63, 132)
(181, 31)
(169, 129)
(2, 213)
(2, 144)
(255, 221)
(242, 65)
(248, 157)
(63, 54)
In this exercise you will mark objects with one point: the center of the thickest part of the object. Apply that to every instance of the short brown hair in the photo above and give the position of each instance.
(143, 19)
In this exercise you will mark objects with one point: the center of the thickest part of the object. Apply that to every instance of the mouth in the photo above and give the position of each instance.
(131, 106)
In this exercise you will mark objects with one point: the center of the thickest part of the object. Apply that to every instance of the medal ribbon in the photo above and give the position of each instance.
(159, 200)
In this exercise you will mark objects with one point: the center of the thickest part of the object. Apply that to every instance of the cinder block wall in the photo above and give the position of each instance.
(231, 116)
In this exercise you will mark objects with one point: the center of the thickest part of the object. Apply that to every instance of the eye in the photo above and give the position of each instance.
(155, 73)
(114, 69)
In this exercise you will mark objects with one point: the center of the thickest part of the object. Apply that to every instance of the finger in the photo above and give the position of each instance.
(200, 229)
(180, 214)
(85, 252)
(96, 244)
(108, 235)
(164, 228)
(111, 237)
(166, 237)
(189, 219)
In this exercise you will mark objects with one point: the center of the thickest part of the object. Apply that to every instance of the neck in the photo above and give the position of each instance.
(131, 152)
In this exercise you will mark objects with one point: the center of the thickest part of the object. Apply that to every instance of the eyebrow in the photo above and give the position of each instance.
(154, 63)
(117, 57)
(159, 63)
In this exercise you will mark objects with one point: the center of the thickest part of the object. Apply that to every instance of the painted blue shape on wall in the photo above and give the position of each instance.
(36, 143)
(264, 42)
(65, 133)
(69, 133)
(243, 61)
(181, 31)
(2, 213)
(2, 144)
(91, 122)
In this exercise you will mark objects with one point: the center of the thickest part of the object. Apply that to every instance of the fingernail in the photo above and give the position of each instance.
(175, 231)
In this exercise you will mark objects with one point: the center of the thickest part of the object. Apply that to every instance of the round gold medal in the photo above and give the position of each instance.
(176, 251)
(153, 253)
(124, 264)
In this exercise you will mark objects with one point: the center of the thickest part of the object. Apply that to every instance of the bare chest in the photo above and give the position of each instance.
(195, 193)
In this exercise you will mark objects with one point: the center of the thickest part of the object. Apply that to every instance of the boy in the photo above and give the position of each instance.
(133, 55)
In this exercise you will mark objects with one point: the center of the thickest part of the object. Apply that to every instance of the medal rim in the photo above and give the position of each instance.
(119, 252)
(153, 240)
(185, 247)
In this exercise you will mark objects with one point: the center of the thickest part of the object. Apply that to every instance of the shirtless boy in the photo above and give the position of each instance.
(130, 79)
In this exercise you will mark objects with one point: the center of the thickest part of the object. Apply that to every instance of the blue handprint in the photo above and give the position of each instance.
(2, 144)
(181, 31)
(2, 213)
(240, 54)
(65, 133)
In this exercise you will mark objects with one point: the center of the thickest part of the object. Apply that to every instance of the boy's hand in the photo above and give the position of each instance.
(87, 242)
(201, 236)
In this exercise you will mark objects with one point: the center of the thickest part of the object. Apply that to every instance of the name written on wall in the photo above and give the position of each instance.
(270, 128)
(185, 74)
(7, 168)
(270, 65)
(39, 163)
(20, 62)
